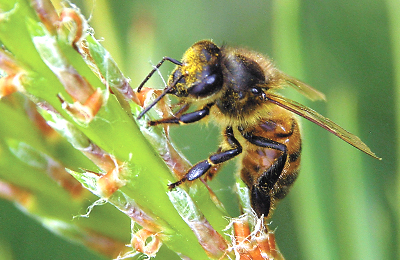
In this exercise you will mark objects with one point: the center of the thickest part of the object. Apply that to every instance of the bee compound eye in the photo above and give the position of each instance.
(207, 86)
(210, 79)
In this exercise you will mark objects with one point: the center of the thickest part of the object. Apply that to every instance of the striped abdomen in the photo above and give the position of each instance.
(270, 172)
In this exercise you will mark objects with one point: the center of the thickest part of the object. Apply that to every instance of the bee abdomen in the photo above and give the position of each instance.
(283, 185)
(268, 177)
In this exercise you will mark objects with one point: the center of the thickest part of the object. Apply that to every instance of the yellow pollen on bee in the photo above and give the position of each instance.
(193, 65)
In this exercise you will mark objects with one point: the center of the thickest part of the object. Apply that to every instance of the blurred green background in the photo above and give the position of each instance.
(345, 204)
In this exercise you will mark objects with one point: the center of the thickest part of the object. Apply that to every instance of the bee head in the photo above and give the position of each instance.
(200, 74)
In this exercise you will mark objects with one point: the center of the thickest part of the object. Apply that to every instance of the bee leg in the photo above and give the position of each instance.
(182, 109)
(185, 118)
(222, 156)
(260, 192)
(213, 170)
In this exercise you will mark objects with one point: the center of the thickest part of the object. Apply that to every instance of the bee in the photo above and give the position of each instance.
(236, 87)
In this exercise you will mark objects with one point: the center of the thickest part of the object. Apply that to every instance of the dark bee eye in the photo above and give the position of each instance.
(207, 86)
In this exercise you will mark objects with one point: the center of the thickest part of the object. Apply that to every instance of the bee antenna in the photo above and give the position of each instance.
(156, 68)
(166, 90)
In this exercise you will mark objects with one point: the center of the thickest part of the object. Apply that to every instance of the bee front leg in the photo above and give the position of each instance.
(261, 188)
(185, 118)
(222, 156)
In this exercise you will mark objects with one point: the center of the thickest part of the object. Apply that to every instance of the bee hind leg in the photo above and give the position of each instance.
(261, 191)
(214, 160)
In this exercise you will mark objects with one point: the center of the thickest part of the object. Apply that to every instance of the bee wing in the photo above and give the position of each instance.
(322, 121)
(303, 88)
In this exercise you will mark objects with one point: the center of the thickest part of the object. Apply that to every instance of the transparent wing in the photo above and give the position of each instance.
(320, 120)
(303, 88)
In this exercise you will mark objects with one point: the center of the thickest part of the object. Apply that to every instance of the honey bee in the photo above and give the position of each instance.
(236, 87)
